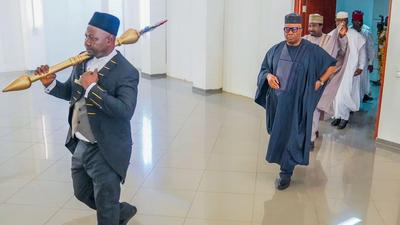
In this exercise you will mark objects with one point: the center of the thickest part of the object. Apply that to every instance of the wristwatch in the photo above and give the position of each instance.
(321, 82)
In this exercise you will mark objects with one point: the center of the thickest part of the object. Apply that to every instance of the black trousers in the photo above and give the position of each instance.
(96, 184)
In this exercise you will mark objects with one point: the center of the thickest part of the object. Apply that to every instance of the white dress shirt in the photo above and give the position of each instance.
(91, 65)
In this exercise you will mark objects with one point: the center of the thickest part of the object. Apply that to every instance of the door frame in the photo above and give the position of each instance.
(298, 8)
(378, 116)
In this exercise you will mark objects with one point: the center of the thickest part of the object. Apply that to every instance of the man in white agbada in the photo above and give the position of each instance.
(358, 25)
(335, 44)
(348, 95)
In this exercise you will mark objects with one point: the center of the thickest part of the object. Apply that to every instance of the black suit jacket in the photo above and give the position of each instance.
(110, 106)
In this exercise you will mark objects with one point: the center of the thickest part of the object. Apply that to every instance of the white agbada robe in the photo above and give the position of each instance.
(369, 56)
(348, 96)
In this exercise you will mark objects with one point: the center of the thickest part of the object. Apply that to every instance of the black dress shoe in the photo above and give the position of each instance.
(342, 124)
(367, 98)
(335, 122)
(377, 83)
(127, 211)
(282, 184)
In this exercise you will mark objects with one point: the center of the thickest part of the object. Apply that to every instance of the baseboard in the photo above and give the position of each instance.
(387, 144)
(154, 76)
(206, 92)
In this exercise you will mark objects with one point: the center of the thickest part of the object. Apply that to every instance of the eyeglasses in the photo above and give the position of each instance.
(293, 29)
(90, 38)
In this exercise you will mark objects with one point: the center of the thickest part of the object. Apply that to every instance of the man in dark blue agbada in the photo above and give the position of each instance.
(290, 83)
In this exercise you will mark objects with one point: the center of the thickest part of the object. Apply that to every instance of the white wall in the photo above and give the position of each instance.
(65, 29)
(389, 125)
(60, 33)
(247, 37)
(183, 37)
(195, 38)
(197, 42)
(12, 56)
(153, 44)
(208, 38)
(132, 20)
(214, 44)
(33, 35)
(158, 44)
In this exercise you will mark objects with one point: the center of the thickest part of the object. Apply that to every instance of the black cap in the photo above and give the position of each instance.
(106, 22)
(293, 18)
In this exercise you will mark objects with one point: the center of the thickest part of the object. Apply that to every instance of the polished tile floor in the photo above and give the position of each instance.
(197, 160)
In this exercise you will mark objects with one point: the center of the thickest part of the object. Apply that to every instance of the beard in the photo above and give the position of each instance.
(90, 51)
(315, 33)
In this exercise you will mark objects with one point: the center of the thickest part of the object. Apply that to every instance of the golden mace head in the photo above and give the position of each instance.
(21, 83)
(130, 36)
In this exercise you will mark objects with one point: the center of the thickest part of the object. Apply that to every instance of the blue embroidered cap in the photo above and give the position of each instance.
(106, 22)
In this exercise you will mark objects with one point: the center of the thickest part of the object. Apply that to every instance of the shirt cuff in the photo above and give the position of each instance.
(88, 89)
(50, 87)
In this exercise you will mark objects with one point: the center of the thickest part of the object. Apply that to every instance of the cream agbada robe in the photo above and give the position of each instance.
(348, 95)
(336, 47)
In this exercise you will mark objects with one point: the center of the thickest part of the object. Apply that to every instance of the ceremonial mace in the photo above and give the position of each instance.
(130, 36)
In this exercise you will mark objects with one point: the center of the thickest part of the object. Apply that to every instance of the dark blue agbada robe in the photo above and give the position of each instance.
(289, 109)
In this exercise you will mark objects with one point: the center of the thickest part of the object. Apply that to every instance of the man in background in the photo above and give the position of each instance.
(335, 44)
(369, 54)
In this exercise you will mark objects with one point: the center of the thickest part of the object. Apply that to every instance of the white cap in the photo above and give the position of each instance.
(342, 15)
